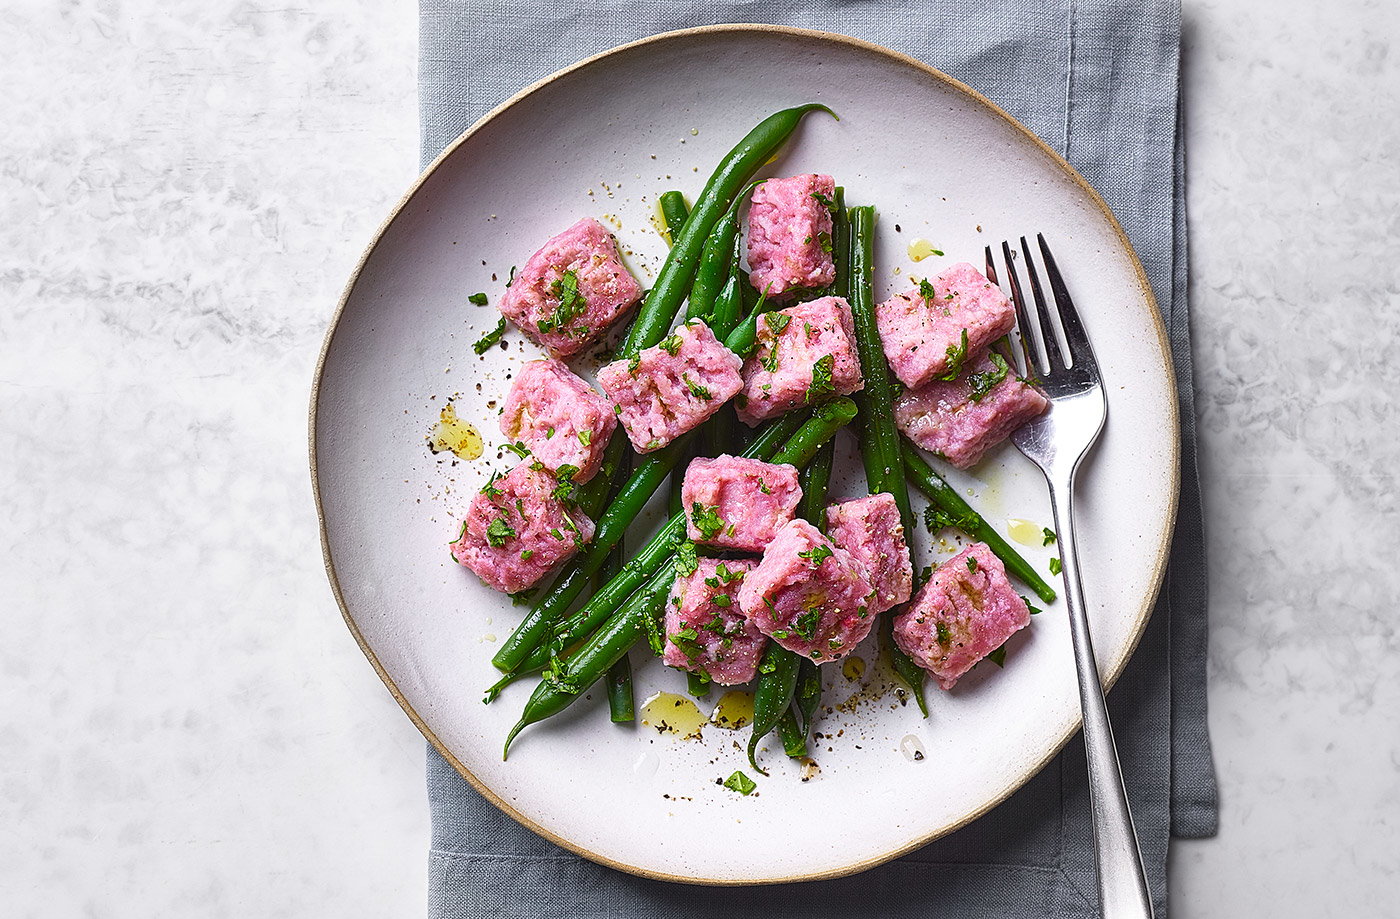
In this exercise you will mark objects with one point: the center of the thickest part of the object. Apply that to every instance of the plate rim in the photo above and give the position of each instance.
(1115, 667)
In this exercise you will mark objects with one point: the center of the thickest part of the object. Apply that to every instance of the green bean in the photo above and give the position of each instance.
(881, 453)
(621, 707)
(626, 624)
(777, 674)
(772, 697)
(792, 734)
(718, 262)
(609, 527)
(658, 310)
(605, 648)
(947, 499)
(674, 211)
(809, 692)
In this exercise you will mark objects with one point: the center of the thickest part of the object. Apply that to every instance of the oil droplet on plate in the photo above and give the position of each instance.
(733, 711)
(912, 748)
(452, 434)
(853, 668)
(673, 714)
(921, 249)
(1024, 531)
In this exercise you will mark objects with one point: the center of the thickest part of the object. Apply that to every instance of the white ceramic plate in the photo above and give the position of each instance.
(604, 138)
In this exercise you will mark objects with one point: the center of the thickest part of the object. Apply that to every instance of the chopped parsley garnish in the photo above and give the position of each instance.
(998, 656)
(824, 239)
(519, 449)
(1034, 609)
(971, 563)
(671, 344)
(565, 487)
(721, 600)
(776, 321)
(498, 532)
(525, 554)
(763, 487)
(823, 200)
(686, 559)
(477, 299)
(725, 575)
(936, 518)
(585, 437)
(944, 635)
(1049, 536)
(1055, 566)
(633, 363)
(983, 383)
(740, 783)
(926, 290)
(511, 280)
(817, 554)
(698, 391)
(806, 624)
(550, 433)
(554, 675)
(770, 360)
(822, 382)
(489, 489)
(956, 355)
(706, 519)
(571, 303)
(484, 343)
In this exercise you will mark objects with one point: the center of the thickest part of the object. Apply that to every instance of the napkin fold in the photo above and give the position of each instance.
(1098, 80)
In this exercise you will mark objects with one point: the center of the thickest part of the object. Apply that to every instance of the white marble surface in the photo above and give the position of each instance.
(186, 728)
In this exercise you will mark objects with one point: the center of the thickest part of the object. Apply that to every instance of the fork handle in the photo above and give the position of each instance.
(1123, 892)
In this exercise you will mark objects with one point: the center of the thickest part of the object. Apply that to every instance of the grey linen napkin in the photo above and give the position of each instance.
(1098, 81)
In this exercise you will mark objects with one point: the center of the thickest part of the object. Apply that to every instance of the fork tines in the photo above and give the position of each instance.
(1076, 340)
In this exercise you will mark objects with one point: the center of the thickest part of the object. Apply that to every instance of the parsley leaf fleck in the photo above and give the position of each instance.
(1055, 566)
(477, 299)
(822, 382)
(983, 383)
(571, 303)
(956, 355)
(484, 343)
(740, 783)
(706, 519)
(499, 532)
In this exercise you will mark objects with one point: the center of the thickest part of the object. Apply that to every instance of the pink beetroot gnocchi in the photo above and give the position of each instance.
(705, 630)
(870, 530)
(966, 611)
(516, 530)
(809, 595)
(933, 329)
(568, 293)
(736, 503)
(671, 388)
(790, 234)
(562, 421)
(961, 420)
(803, 354)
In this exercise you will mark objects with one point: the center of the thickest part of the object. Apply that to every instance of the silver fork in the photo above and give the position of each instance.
(1056, 442)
